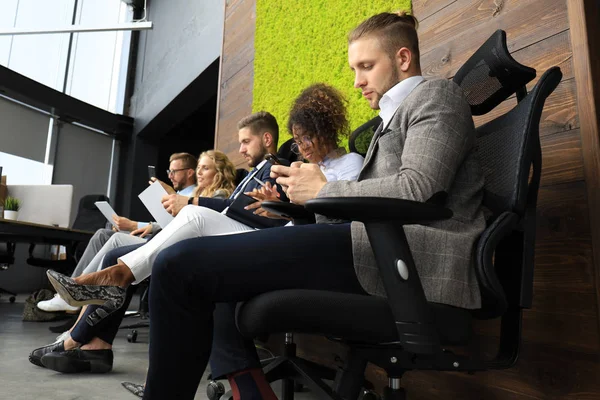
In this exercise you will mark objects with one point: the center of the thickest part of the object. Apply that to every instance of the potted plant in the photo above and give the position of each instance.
(11, 208)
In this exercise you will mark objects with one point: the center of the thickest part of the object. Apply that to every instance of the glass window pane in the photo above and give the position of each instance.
(22, 171)
(96, 56)
(8, 13)
(42, 57)
(23, 132)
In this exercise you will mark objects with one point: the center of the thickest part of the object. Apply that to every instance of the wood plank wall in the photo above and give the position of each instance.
(237, 75)
(560, 357)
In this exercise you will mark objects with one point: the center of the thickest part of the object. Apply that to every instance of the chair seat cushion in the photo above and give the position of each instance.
(351, 317)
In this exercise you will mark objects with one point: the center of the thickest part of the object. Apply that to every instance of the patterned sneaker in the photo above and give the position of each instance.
(134, 388)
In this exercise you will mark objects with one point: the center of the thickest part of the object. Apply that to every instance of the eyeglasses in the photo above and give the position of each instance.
(304, 141)
(173, 171)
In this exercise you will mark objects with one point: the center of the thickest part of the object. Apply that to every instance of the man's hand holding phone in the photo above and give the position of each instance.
(300, 181)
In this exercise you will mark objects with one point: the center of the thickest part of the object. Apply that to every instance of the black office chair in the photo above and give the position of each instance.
(88, 218)
(359, 140)
(287, 153)
(381, 330)
(7, 258)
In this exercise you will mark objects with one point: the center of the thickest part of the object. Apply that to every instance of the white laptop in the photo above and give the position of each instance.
(44, 204)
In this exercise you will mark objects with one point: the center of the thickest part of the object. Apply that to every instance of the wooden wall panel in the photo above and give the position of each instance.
(236, 77)
(561, 348)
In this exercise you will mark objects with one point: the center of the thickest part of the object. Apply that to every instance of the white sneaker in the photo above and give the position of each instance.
(55, 304)
(63, 336)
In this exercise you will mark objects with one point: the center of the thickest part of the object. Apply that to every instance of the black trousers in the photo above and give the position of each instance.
(190, 277)
(231, 352)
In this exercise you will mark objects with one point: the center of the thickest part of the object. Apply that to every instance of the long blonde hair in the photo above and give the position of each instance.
(224, 178)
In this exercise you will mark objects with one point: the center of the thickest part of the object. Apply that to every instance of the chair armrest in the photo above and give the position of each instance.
(384, 219)
(378, 209)
(298, 213)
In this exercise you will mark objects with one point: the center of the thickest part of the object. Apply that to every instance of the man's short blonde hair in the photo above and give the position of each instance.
(394, 30)
(187, 160)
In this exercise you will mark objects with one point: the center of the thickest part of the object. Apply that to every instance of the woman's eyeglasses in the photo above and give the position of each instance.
(304, 141)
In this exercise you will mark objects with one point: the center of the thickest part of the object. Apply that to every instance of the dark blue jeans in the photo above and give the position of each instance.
(192, 276)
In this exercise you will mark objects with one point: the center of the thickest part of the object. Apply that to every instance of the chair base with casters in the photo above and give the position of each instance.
(289, 368)
(142, 313)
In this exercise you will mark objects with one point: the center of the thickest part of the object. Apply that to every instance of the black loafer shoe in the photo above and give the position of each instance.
(36, 355)
(77, 360)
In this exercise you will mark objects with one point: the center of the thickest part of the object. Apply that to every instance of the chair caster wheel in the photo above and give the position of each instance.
(214, 390)
(369, 395)
(12, 299)
(132, 337)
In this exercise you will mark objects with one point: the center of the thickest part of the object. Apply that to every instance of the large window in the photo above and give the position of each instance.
(90, 66)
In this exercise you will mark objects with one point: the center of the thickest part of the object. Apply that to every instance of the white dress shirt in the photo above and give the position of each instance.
(392, 99)
(341, 166)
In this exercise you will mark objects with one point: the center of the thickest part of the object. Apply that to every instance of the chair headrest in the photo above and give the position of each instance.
(491, 75)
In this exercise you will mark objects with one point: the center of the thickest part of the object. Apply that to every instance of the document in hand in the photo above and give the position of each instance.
(151, 198)
(106, 210)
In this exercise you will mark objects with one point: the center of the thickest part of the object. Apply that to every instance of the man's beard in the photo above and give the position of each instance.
(256, 160)
(394, 80)
(177, 186)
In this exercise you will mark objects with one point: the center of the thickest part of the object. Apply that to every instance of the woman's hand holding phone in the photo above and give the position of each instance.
(265, 193)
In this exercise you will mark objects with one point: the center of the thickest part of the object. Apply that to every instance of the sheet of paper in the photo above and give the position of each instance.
(106, 210)
(151, 197)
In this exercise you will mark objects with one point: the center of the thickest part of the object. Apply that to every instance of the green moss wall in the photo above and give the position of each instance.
(300, 42)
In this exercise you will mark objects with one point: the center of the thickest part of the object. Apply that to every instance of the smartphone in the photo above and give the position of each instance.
(151, 172)
(272, 158)
(247, 200)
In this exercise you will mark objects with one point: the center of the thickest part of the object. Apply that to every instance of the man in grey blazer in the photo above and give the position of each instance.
(424, 146)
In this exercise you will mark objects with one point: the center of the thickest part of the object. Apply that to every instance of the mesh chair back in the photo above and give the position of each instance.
(89, 217)
(359, 140)
(511, 158)
(491, 75)
(287, 153)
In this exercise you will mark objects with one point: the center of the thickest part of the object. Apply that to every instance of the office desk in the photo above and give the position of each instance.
(27, 232)
(12, 232)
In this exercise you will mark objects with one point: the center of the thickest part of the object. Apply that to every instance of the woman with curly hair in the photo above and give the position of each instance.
(317, 122)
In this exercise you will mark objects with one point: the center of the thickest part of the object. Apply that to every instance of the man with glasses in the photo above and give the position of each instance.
(182, 174)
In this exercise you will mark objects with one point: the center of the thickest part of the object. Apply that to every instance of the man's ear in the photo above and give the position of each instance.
(403, 59)
(268, 139)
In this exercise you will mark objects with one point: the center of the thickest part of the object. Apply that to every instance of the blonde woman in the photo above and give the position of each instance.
(215, 175)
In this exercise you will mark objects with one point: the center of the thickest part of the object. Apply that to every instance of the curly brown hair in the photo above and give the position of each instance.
(320, 111)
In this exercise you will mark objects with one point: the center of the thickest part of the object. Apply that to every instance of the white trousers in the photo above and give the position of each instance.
(192, 221)
(117, 240)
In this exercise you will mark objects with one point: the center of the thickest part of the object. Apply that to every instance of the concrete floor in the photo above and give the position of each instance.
(21, 380)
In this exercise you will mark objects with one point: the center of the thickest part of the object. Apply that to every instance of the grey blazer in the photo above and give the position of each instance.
(427, 147)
